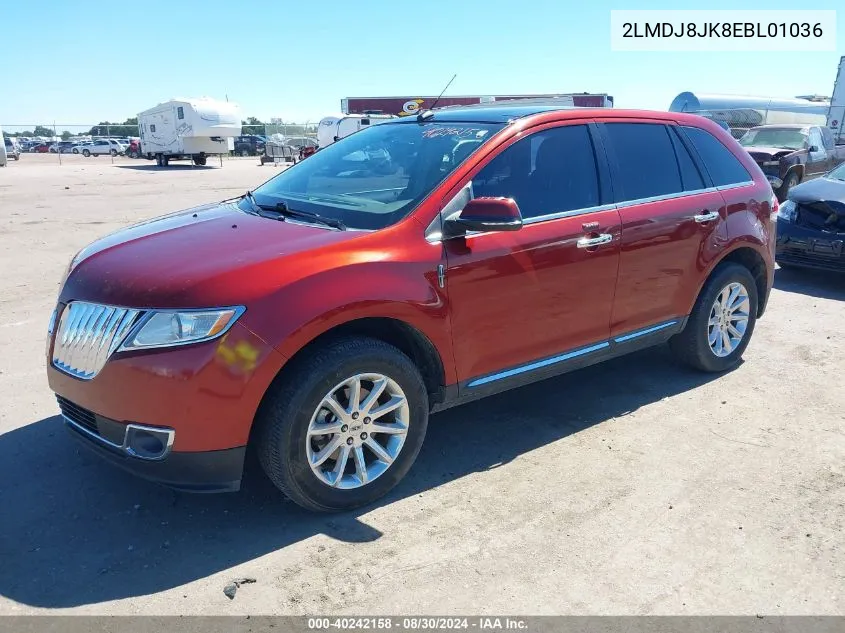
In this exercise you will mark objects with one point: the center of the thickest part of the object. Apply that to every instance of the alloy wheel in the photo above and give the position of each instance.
(357, 431)
(728, 319)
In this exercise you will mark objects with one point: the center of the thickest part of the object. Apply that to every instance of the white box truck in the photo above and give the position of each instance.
(836, 114)
(190, 129)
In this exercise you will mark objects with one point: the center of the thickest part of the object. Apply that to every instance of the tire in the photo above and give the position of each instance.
(789, 182)
(200, 160)
(113, 152)
(244, 152)
(75, 151)
(295, 400)
(692, 345)
(165, 160)
(17, 156)
(86, 153)
(95, 155)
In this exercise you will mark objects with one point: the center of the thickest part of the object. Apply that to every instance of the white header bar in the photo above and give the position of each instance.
(723, 30)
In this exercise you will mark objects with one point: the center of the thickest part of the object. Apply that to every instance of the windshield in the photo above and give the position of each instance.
(786, 138)
(838, 173)
(375, 177)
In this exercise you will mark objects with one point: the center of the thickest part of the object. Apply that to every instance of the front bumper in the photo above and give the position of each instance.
(809, 248)
(201, 399)
(204, 471)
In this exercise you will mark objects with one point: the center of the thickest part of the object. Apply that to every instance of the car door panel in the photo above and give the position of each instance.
(664, 249)
(517, 297)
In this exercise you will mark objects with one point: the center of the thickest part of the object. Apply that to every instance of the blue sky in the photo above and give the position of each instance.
(82, 62)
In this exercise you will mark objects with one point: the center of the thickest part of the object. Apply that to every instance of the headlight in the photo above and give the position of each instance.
(163, 328)
(787, 211)
(51, 326)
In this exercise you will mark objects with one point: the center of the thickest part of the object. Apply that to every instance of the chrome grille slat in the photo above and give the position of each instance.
(88, 334)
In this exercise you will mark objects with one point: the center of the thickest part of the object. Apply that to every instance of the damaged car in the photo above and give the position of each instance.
(792, 154)
(811, 224)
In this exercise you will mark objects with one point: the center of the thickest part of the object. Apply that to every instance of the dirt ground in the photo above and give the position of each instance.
(635, 487)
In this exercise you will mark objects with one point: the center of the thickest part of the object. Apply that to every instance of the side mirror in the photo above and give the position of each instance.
(813, 148)
(486, 214)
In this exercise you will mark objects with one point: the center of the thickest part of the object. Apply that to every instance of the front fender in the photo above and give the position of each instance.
(406, 291)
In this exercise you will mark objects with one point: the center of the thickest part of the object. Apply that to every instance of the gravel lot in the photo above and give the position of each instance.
(635, 487)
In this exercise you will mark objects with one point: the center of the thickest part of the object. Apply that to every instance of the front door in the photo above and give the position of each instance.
(817, 161)
(533, 300)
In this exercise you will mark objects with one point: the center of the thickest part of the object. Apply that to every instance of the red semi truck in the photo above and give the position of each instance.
(405, 106)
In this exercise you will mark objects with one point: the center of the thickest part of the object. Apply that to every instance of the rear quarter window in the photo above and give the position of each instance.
(724, 168)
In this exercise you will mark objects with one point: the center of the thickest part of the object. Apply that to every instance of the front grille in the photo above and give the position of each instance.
(78, 415)
(87, 335)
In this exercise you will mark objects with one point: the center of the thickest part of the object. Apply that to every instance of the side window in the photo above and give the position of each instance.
(690, 176)
(548, 172)
(636, 145)
(724, 168)
(152, 127)
(180, 112)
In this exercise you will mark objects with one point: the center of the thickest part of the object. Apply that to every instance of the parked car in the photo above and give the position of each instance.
(249, 145)
(13, 150)
(101, 146)
(791, 154)
(811, 224)
(41, 148)
(541, 246)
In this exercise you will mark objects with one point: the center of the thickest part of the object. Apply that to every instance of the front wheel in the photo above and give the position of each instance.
(721, 323)
(113, 152)
(75, 151)
(344, 424)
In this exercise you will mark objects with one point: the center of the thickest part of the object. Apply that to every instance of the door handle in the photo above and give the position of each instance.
(706, 217)
(590, 242)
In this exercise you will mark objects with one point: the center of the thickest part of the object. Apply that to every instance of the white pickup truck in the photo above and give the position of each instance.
(100, 146)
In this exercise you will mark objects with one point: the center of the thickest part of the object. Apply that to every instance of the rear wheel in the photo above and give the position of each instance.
(722, 321)
(344, 425)
(113, 152)
(86, 153)
(244, 152)
(75, 151)
(199, 160)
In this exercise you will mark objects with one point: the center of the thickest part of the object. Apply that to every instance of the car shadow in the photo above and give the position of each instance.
(815, 283)
(77, 531)
(172, 167)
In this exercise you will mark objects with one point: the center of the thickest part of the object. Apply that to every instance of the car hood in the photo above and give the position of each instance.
(768, 153)
(208, 256)
(820, 189)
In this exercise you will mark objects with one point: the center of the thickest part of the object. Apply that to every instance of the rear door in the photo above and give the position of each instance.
(537, 299)
(673, 223)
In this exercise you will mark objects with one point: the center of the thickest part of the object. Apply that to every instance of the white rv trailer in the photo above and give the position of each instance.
(334, 128)
(836, 114)
(191, 129)
(3, 157)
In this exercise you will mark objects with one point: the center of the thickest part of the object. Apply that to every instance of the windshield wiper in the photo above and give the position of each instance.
(283, 209)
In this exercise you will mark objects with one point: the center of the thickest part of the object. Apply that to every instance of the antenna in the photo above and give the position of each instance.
(427, 112)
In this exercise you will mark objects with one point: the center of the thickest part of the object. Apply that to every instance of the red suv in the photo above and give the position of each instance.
(410, 267)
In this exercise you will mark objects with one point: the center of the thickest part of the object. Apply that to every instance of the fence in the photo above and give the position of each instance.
(55, 133)
(740, 119)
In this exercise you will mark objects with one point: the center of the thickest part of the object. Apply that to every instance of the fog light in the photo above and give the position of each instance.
(147, 442)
